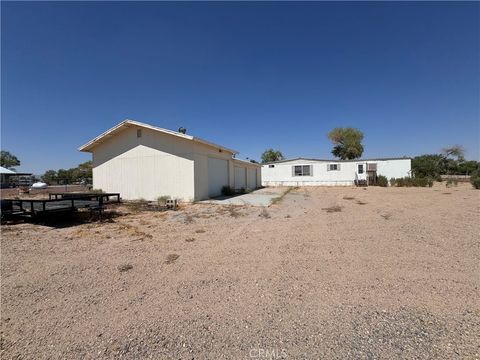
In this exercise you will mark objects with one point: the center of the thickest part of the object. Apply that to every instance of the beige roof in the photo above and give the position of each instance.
(128, 123)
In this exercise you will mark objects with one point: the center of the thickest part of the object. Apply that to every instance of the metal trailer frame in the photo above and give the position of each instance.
(57, 203)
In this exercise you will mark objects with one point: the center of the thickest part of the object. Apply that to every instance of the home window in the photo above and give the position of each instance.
(333, 167)
(271, 166)
(139, 133)
(360, 169)
(302, 170)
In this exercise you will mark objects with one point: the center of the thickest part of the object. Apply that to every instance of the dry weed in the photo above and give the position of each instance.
(264, 214)
(171, 258)
(124, 267)
(334, 208)
(134, 231)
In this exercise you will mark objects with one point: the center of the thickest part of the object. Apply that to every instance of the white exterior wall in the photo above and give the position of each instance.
(397, 168)
(282, 174)
(158, 164)
(201, 155)
(145, 167)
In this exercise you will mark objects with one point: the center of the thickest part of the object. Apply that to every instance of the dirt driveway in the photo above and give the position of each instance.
(326, 273)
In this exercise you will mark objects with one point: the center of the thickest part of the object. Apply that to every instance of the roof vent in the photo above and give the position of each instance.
(182, 130)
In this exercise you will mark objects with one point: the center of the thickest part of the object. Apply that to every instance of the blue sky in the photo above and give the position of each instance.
(245, 75)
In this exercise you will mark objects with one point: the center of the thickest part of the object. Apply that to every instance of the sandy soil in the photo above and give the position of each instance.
(326, 273)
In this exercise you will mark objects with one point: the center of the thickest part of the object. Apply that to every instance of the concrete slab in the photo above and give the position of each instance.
(261, 197)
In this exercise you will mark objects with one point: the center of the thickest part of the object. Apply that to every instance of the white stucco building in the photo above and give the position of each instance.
(316, 172)
(139, 160)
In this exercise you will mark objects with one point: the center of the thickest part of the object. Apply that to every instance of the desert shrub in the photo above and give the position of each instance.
(382, 181)
(162, 200)
(227, 191)
(451, 182)
(409, 182)
(475, 179)
(476, 182)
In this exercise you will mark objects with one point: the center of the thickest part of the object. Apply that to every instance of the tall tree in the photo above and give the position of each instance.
(347, 143)
(8, 160)
(50, 177)
(456, 152)
(429, 165)
(271, 155)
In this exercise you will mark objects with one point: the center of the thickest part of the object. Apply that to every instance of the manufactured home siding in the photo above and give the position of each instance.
(283, 174)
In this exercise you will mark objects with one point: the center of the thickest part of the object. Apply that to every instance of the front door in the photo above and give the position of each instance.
(372, 177)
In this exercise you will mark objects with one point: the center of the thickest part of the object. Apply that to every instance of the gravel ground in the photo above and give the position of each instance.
(330, 273)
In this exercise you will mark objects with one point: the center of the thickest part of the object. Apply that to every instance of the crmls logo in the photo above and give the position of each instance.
(273, 353)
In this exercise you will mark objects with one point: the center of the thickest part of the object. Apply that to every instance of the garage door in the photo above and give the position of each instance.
(252, 179)
(217, 176)
(240, 178)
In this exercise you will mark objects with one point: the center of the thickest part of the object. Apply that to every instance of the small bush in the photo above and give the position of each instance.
(227, 191)
(409, 182)
(162, 200)
(475, 180)
(451, 182)
(382, 181)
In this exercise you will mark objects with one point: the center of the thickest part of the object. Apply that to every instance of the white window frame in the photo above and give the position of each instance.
(303, 172)
(363, 168)
(329, 167)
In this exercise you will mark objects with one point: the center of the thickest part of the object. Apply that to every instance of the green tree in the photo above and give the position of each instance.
(85, 172)
(468, 167)
(271, 155)
(64, 176)
(430, 165)
(347, 143)
(50, 177)
(8, 160)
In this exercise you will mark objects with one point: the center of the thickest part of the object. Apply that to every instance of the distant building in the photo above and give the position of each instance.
(10, 178)
(144, 161)
(317, 172)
